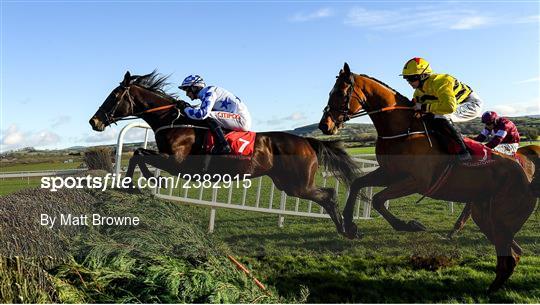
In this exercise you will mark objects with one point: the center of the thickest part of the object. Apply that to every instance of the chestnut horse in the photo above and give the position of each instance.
(289, 160)
(523, 153)
(410, 161)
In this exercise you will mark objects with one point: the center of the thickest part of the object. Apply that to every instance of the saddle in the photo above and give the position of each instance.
(481, 154)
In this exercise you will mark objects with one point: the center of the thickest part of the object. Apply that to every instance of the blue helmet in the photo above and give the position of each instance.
(192, 81)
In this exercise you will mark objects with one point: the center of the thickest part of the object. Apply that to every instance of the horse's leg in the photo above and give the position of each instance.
(507, 260)
(168, 163)
(500, 220)
(138, 160)
(460, 222)
(403, 188)
(374, 178)
(325, 197)
(144, 156)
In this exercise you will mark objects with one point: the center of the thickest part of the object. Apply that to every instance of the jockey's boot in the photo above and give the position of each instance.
(222, 146)
(447, 130)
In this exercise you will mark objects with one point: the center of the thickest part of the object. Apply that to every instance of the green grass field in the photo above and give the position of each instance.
(306, 260)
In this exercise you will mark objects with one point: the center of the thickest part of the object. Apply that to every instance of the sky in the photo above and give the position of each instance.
(60, 59)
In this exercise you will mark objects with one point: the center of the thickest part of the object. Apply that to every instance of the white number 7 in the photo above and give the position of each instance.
(244, 144)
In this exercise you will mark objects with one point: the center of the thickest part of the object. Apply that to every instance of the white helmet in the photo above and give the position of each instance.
(192, 81)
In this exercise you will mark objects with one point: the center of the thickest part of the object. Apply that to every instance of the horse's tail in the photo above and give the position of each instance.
(532, 152)
(334, 158)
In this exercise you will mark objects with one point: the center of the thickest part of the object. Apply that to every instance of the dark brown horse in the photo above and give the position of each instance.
(289, 160)
(501, 196)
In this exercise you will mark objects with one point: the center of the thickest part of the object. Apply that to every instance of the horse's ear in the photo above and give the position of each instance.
(127, 79)
(346, 69)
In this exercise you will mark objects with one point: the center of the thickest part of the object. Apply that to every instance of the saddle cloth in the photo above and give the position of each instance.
(480, 153)
(242, 142)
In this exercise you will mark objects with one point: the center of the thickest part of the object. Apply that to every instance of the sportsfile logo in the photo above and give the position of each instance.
(113, 181)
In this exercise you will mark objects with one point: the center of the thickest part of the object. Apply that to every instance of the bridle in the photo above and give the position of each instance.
(344, 109)
(109, 115)
(365, 110)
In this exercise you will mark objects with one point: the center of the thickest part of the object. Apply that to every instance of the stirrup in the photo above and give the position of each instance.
(221, 150)
(465, 157)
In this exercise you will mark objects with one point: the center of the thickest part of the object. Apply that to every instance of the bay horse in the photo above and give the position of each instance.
(290, 161)
(501, 195)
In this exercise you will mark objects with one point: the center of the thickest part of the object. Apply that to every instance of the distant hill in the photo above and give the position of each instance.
(355, 134)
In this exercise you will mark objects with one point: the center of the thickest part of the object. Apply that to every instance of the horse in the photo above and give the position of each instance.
(501, 195)
(523, 153)
(289, 160)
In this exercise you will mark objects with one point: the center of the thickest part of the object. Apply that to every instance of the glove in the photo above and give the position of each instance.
(181, 105)
(417, 107)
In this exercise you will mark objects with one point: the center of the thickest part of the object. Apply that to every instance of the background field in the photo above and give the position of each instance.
(305, 261)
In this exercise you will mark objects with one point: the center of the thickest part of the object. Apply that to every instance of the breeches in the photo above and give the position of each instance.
(232, 121)
(469, 109)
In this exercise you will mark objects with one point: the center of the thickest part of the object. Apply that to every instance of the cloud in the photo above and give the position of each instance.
(137, 135)
(528, 108)
(427, 17)
(297, 116)
(60, 120)
(108, 135)
(470, 22)
(528, 19)
(318, 14)
(13, 138)
(529, 80)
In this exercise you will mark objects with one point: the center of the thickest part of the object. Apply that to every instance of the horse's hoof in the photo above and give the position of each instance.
(492, 289)
(351, 231)
(415, 226)
(133, 191)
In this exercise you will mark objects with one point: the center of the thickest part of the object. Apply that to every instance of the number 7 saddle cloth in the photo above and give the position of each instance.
(242, 142)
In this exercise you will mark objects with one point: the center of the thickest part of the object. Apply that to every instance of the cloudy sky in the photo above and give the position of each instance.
(60, 59)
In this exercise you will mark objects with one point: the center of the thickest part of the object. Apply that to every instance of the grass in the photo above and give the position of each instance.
(8, 186)
(166, 259)
(380, 267)
(39, 166)
(303, 261)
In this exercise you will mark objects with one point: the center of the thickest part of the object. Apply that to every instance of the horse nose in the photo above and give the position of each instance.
(324, 128)
(96, 124)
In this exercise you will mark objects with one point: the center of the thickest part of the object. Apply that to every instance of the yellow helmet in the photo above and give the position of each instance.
(416, 66)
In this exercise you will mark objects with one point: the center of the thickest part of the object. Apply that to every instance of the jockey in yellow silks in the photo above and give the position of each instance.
(442, 95)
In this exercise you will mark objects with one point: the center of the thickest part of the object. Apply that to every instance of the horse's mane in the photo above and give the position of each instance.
(156, 83)
(399, 96)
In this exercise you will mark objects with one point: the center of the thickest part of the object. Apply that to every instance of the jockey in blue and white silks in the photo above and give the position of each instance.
(221, 105)
(219, 108)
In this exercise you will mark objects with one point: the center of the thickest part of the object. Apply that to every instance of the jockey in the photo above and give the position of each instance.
(503, 133)
(219, 108)
(448, 99)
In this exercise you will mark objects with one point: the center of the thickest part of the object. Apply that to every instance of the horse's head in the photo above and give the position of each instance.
(355, 95)
(117, 105)
(342, 103)
(135, 96)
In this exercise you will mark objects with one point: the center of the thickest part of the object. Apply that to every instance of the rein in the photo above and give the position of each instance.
(364, 112)
(136, 115)
(110, 115)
